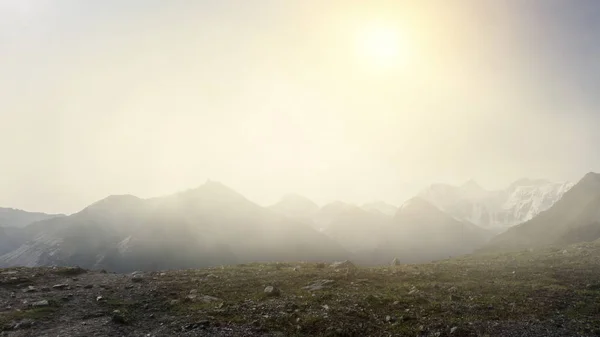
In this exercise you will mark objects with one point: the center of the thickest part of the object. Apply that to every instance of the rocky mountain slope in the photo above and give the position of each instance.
(574, 218)
(483, 295)
(496, 210)
(10, 217)
(210, 225)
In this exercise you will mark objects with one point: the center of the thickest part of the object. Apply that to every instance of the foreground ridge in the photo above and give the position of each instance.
(550, 292)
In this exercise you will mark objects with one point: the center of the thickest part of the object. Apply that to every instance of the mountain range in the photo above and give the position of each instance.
(496, 210)
(214, 225)
(210, 225)
(10, 217)
(572, 219)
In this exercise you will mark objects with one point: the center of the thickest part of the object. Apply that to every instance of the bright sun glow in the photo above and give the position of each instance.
(383, 47)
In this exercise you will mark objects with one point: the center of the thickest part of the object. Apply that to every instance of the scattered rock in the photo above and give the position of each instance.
(24, 324)
(272, 291)
(118, 317)
(60, 286)
(137, 278)
(30, 289)
(100, 299)
(45, 289)
(455, 298)
(88, 286)
(193, 326)
(318, 285)
(208, 299)
(39, 304)
(343, 265)
(453, 330)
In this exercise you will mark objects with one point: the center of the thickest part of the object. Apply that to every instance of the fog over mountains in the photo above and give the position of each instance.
(572, 219)
(213, 225)
(496, 210)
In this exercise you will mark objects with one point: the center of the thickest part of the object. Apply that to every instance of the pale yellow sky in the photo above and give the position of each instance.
(273, 97)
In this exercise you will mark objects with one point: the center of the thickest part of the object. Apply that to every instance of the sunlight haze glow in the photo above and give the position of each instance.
(335, 100)
(384, 46)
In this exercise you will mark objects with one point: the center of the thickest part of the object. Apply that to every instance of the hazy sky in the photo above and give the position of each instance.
(269, 97)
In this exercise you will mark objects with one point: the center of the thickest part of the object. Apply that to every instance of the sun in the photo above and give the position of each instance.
(382, 46)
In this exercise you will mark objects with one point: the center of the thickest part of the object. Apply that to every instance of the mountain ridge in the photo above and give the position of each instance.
(572, 219)
(497, 209)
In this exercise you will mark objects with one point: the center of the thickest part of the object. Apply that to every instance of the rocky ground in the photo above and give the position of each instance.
(555, 292)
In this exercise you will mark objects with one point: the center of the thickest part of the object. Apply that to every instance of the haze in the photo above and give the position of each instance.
(271, 97)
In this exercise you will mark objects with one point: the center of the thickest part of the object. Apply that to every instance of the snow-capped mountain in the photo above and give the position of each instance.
(500, 209)
(572, 219)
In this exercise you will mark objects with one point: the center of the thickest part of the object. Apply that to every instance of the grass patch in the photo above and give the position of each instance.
(36, 314)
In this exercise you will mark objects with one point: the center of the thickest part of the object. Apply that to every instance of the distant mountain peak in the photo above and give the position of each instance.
(417, 204)
(591, 177)
(216, 190)
(471, 183)
(12, 217)
(295, 205)
(115, 199)
(498, 209)
(472, 187)
(572, 219)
